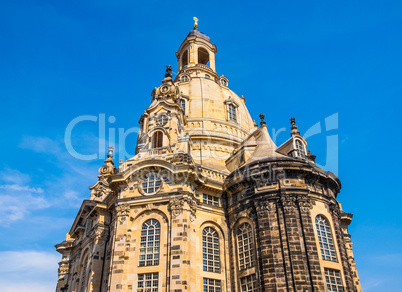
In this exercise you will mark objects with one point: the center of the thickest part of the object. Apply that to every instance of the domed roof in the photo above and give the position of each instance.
(209, 100)
(208, 118)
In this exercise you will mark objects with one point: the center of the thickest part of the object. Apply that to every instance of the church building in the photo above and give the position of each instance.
(209, 202)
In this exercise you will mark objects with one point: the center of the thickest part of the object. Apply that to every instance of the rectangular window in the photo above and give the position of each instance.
(333, 280)
(210, 200)
(232, 113)
(183, 104)
(248, 283)
(148, 282)
(212, 285)
(88, 227)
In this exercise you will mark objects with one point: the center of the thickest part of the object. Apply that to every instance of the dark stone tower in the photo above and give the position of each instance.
(284, 198)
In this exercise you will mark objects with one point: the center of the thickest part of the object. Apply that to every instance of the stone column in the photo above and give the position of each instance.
(297, 263)
(182, 211)
(311, 253)
(270, 253)
(120, 256)
(99, 236)
(336, 218)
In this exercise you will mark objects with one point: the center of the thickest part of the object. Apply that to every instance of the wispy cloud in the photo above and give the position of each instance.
(74, 177)
(17, 201)
(18, 198)
(66, 187)
(41, 145)
(21, 188)
(28, 271)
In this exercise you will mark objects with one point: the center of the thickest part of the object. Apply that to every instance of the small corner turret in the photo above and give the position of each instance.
(296, 145)
(101, 189)
(108, 168)
(162, 128)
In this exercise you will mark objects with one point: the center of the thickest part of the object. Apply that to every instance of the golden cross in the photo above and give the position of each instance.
(195, 22)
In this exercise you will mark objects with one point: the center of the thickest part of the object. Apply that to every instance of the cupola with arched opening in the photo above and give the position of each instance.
(196, 49)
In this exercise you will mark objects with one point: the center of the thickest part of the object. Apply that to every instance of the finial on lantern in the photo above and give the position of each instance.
(168, 71)
(110, 155)
(262, 123)
(195, 22)
(294, 127)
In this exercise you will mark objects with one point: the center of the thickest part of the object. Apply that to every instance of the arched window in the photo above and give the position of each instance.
(151, 183)
(300, 149)
(184, 78)
(84, 275)
(325, 239)
(203, 56)
(150, 243)
(157, 139)
(245, 246)
(183, 104)
(184, 59)
(232, 112)
(210, 250)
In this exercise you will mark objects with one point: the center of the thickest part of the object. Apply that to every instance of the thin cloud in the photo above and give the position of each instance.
(28, 271)
(41, 145)
(21, 188)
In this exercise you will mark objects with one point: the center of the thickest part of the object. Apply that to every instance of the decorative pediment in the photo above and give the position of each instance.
(100, 189)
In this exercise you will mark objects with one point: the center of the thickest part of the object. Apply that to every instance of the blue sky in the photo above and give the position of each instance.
(311, 60)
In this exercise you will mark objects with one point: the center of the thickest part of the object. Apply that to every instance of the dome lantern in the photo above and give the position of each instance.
(196, 49)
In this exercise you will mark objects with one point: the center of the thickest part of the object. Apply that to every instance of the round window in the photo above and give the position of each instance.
(162, 120)
(184, 79)
(152, 183)
(164, 89)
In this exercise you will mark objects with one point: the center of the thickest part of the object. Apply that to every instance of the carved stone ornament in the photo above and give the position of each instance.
(64, 268)
(262, 207)
(122, 211)
(101, 189)
(288, 202)
(176, 207)
(335, 210)
(101, 234)
(304, 203)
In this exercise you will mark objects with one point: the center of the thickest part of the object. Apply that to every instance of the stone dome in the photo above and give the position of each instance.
(217, 118)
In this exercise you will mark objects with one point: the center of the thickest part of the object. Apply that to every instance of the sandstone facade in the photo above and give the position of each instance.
(209, 202)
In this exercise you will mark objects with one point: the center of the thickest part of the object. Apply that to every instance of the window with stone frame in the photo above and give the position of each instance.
(150, 243)
(212, 285)
(325, 240)
(183, 104)
(210, 250)
(248, 283)
(232, 115)
(148, 282)
(88, 227)
(151, 183)
(300, 151)
(157, 139)
(333, 280)
(84, 275)
(210, 200)
(245, 247)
